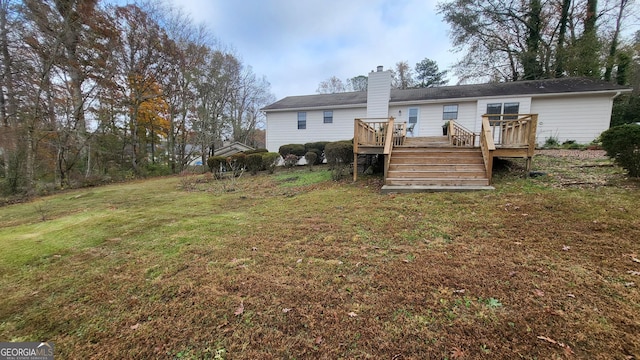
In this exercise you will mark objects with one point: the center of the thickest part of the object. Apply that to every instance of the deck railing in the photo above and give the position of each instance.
(384, 133)
(513, 131)
(460, 136)
(487, 146)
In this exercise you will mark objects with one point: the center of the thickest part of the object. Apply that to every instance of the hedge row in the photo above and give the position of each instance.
(253, 161)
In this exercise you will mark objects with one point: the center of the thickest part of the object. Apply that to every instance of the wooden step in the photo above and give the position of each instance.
(443, 167)
(403, 149)
(428, 173)
(437, 166)
(435, 160)
(393, 189)
(408, 181)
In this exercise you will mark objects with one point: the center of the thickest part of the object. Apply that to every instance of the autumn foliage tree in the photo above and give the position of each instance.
(97, 92)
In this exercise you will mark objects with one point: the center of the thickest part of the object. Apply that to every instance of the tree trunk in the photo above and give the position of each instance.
(613, 48)
(560, 53)
(530, 62)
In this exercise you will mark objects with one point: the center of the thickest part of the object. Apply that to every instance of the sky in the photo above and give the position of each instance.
(296, 44)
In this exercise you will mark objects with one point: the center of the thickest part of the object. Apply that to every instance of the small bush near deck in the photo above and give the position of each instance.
(551, 143)
(269, 161)
(339, 152)
(311, 158)
(215, 163)
(622, 143)
(290, 161)
(295, 149)
(254, 163)
(237, 163)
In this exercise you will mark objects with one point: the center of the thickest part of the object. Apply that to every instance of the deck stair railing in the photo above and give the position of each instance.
(385, 133)
(460, 136)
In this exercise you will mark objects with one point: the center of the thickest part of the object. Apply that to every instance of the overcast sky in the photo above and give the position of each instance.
(298, 43)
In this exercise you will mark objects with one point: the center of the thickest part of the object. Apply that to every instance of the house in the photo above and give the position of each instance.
(577, 109)
(229, 149)
(568, 108)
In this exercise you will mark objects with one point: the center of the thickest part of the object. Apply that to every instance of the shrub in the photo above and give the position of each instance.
(318, 148)
(318, 157)
(311, 158)
(256, 151)
(236, 163)
(622, 143)
(551, 143)
(216, 163)
(270, 161)
(340, 152)
(291, 160)
(254, 163)
(295, 149)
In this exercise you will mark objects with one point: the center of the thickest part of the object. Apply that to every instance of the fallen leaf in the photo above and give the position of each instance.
(319, 340)
(286, 310)
(239, 310)
(567, 351)
(538, 292)
(134, 327)
(299, 261)
(352, 314)
(457, 353)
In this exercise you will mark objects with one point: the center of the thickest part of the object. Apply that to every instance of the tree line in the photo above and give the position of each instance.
(425, 74)
(533, 39)
(95, 92)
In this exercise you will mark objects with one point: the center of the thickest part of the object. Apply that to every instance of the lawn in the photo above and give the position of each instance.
(297, 266)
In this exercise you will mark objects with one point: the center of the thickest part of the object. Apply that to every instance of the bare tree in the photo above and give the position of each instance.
(331, 86)
(402, 76)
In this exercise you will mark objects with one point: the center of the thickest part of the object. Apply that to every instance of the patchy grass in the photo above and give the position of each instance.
(194, 268)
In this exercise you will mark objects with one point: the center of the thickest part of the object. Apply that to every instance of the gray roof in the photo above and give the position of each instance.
(533, 87)
(231, 149)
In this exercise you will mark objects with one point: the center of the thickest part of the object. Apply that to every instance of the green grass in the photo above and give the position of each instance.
(300, 178)
(324, 269)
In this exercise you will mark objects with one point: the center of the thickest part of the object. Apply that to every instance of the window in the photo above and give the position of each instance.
(302, 120)
(494, 109)
(328, 117)
(413, 116)
(511, 108)
(450, 112)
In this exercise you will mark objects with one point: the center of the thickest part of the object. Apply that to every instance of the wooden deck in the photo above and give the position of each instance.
(463, 160)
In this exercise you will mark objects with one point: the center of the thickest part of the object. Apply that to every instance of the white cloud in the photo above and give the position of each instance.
(297, 44)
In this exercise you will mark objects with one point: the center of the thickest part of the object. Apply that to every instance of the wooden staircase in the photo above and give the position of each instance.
(431, 164)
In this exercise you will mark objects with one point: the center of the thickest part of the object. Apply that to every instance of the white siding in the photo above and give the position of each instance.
(282, 127)
(576, 118)
(430, 116)
(378, 94)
